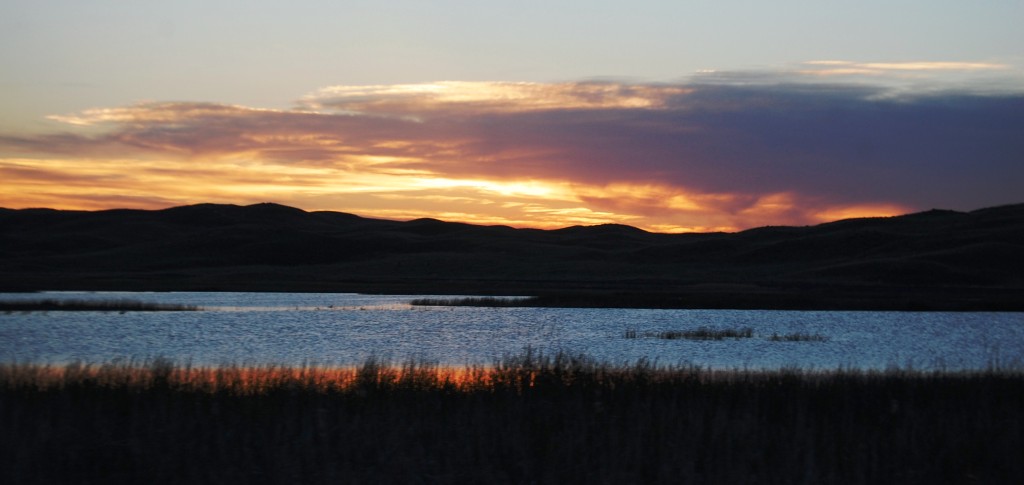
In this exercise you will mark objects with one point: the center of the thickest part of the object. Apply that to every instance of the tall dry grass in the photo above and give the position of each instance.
(530, 418)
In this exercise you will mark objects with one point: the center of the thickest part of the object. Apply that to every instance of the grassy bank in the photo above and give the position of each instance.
(51, 305)
(478, 301)
(527, 419)
(741, 298)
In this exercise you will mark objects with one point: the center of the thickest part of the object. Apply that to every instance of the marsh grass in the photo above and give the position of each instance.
(707, 333)
(699, 333)
(51, 305)
(531, 418)
(798, 337)
(476, 301)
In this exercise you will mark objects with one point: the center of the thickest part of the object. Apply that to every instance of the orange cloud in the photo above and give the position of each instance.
(671, 158)
(447, 96)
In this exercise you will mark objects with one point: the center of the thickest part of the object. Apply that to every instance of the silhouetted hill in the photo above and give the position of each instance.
(933, 259)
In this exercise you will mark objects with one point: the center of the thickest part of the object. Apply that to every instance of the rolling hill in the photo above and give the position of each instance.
(929, 260)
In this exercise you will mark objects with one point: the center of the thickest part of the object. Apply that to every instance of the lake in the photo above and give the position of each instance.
(344, 329)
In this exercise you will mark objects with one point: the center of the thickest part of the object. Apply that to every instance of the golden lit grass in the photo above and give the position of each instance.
(240, 380)
(518, 373)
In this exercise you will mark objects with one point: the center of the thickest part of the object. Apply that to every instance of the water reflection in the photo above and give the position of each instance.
(347, 329)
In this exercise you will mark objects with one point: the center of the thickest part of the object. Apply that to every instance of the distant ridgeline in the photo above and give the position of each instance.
(939, 260)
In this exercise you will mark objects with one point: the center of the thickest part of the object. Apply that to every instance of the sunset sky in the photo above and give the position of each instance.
(666, 115)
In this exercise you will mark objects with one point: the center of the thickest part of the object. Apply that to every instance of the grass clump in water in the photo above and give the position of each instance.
(699, 333)
(798, 337)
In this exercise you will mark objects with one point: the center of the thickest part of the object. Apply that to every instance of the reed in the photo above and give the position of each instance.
(527, 418)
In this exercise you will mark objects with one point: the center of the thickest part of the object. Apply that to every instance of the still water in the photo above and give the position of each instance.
(342, 329)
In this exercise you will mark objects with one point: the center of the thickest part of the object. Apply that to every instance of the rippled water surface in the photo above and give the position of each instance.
(296, 328)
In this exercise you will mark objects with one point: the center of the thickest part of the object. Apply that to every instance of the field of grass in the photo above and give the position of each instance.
(526, 419)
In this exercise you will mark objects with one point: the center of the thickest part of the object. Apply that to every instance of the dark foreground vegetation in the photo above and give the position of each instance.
(528, 419)
(51, 305)
(934, 260)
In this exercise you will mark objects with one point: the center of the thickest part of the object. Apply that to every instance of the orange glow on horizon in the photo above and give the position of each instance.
(107, 184)
(859, 211)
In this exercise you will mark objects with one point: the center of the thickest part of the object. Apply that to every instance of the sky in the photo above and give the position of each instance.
(665, 115)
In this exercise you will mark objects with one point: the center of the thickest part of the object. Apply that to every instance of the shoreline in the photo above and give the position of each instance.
(709, 297)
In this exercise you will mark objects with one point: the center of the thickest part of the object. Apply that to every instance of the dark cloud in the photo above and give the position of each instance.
(838, 143)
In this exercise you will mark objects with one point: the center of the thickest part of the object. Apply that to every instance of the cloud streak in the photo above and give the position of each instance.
(720, 152)
(484, 97)
(828, 68)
